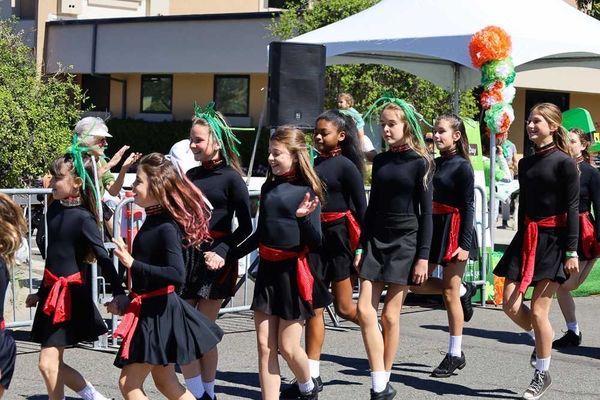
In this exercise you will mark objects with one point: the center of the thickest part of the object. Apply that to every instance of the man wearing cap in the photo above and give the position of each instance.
(93, 134)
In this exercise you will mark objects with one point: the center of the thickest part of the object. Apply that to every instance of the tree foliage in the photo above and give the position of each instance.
(590, 7)
(35, 113)
(366, 82)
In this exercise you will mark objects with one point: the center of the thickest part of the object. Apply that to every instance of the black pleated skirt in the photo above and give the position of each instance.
(441, 236)
(170, 331)
(549, 257)
(334, 261)
(276, 290)
(391, 249)
(8, 356)
(202, 283)
(85, 325)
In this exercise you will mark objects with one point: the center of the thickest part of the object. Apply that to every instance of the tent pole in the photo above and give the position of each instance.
(455, 91)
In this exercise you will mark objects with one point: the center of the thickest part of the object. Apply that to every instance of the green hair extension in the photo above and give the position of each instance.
(412, 116)
(219, 127)
(76, 150)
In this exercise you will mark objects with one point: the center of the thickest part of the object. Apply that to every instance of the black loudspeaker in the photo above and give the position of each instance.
(296, 83)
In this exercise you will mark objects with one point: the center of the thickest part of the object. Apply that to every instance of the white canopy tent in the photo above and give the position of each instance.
(430, 39)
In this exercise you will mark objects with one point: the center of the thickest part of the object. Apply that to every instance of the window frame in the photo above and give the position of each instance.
(146, 76)
(237, 76)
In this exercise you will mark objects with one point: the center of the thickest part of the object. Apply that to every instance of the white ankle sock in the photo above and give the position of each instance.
(314, 367)
(542, 364)
(379, 380)
(389, 374)
(455, 346)
(195, 386)
(306, 387)
(209, 388)
(463, 290)
(573, 326)
(89, 392)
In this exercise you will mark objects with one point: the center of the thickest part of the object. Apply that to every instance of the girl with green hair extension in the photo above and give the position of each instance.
(211, 270)
(396, 235)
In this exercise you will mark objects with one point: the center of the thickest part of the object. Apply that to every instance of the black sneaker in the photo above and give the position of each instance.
(293, 392)
(388, 393)
(313, 394)
(448, 365)
(533, 359)
(539, 384)
(570, 339)
(465, 301)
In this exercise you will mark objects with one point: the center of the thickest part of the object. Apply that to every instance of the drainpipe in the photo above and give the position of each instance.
(123, 82)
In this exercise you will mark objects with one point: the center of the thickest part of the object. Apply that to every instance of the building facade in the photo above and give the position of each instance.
(151, 59)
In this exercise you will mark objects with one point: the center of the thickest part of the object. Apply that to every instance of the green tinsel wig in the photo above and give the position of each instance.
(218, 127)
(412, 116)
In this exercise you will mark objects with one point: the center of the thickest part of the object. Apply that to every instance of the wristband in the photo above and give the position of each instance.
(571, 254)
(358, 252)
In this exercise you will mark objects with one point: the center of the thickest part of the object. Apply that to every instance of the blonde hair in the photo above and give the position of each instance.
(293, 139)
(348, 97)
(553, 116)
(225, 150)
(12, 229)
(414, 142)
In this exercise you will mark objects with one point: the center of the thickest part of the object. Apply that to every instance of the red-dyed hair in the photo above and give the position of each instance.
(179, 196)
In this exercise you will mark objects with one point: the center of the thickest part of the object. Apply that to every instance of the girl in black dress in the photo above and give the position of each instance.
(12, 230)
(286, 289)
(340, 166)
(544, 251)
(211, 272)
(160, 329)
(453, 230)
(67, 314)
(396, 237)
(589, 236)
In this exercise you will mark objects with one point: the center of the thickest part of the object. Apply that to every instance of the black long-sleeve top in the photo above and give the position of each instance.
(227, 193)
(397, 187)
(344, 186)
(549, 185)
(278, 226)
(4, 279)
(454, 185)
(71, 232)
(157, 253)
(589, 192)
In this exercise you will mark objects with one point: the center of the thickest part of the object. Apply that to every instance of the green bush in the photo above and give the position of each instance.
(36, 114)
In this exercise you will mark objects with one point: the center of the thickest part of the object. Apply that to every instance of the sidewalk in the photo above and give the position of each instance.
(497, 360)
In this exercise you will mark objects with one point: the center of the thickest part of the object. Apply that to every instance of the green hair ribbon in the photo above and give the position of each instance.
(76, 150)
(412, 116)
(219, 127)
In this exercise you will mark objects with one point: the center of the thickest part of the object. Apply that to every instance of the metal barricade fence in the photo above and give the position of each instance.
(34, 208)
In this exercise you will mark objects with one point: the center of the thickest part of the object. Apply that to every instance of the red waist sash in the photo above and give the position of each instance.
(530, 241)
(589, 246)
(439, 208)
(58, 302)
(304, 276)
(351, 223)
(127, 327)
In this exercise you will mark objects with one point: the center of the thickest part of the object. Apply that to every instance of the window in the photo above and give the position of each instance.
(232, 94)
(97, 90)
(157, 94)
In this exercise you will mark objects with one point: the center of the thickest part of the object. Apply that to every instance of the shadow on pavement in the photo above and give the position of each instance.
(500, 336)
